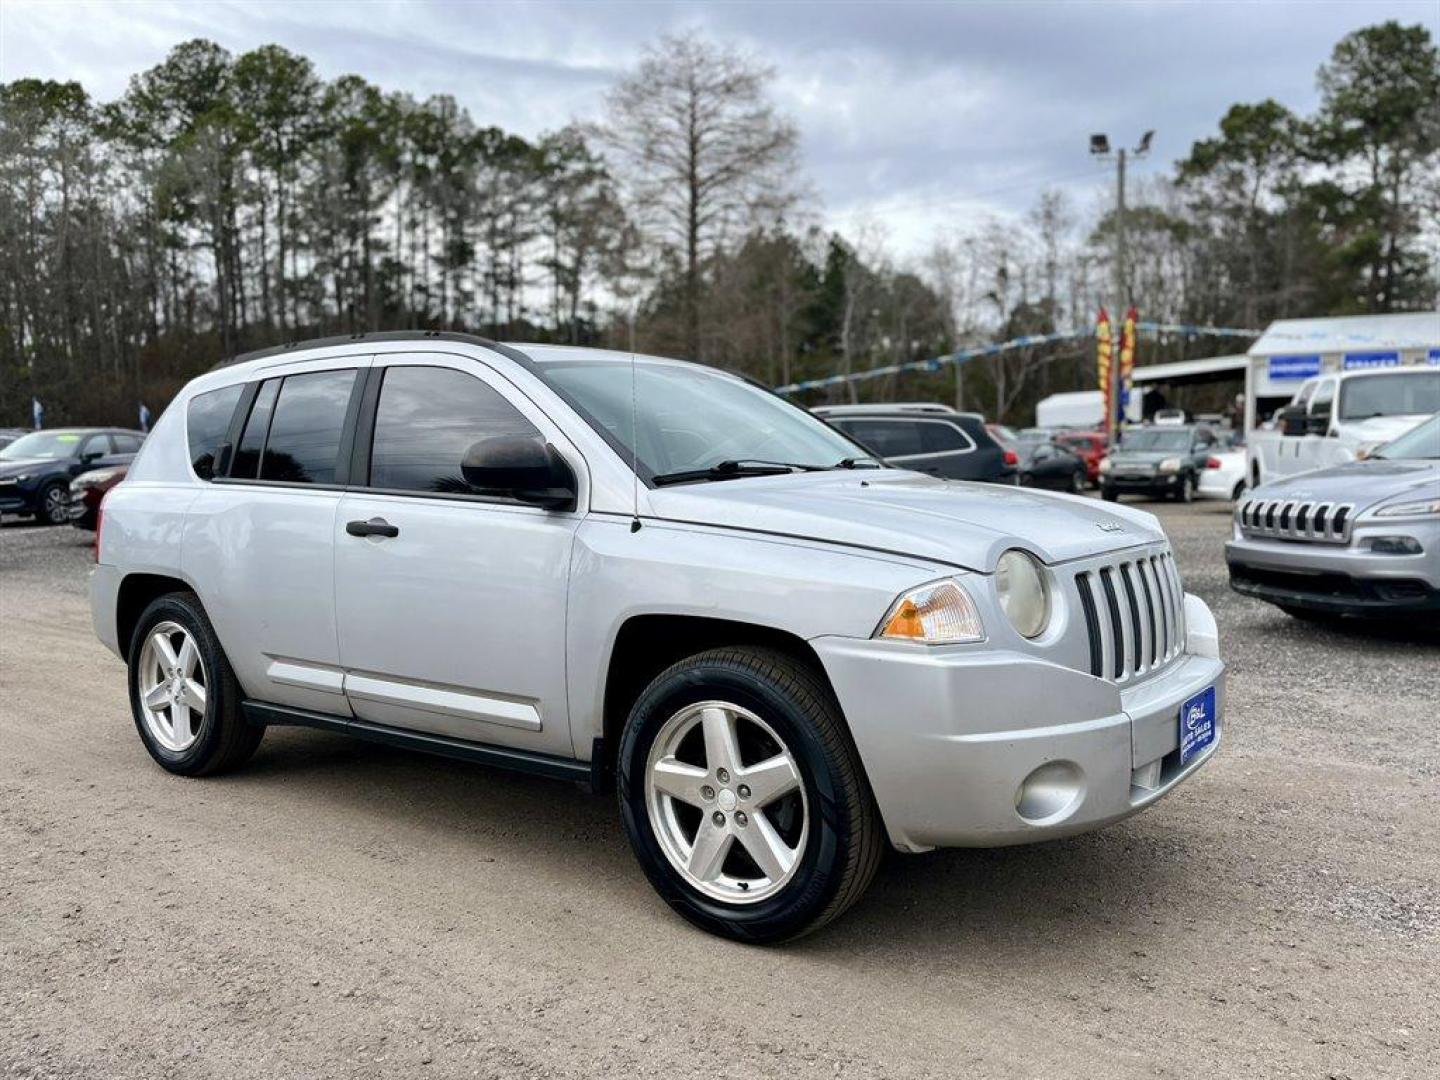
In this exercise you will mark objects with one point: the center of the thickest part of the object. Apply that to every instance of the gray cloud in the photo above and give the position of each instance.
(921, 116)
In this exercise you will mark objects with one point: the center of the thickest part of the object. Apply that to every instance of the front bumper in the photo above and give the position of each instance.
(16, 499)
(1350, 579)
(1154, 486)
(948, 737)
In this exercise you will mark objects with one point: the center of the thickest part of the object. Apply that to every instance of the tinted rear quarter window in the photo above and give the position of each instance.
(130, 444)
(942, 437)
(888, 438)
(304, 441)
(207, 423)
(426, 420)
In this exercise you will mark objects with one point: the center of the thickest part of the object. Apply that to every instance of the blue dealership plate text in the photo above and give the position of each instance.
(1197, 724)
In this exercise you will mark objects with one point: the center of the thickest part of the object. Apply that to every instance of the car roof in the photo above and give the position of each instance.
(934, 408)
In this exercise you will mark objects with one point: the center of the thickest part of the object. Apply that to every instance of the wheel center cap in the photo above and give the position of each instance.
(726, 799)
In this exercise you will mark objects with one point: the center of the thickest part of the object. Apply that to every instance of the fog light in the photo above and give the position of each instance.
(1396, 545)
(1051, 793)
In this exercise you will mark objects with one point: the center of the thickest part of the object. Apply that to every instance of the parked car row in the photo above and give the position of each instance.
(39, 471)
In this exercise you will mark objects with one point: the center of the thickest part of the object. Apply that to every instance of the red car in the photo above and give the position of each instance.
(1091, 446)
(86, 491)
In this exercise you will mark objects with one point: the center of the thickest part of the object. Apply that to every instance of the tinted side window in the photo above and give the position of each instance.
(95, 445)
(888, 438)
(305, 431)
(942, 437)
(257, 426)
(207, 423)
(426, 419)
(130, 444)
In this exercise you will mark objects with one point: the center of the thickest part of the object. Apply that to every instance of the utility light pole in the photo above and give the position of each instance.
(1100, 149)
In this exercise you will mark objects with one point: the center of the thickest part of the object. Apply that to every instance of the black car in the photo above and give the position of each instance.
(36, 469)
(931, 439)
(1161, 461)
(1046, 463)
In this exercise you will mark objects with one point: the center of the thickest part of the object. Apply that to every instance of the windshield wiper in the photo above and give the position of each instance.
(858, 463)
(730, 470)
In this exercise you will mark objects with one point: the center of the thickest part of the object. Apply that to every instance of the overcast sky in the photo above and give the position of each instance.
(922, 117)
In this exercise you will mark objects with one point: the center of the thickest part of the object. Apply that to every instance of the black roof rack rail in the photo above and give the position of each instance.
(375, 335)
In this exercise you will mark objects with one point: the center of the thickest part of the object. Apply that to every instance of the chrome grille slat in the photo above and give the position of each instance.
(1133, 615)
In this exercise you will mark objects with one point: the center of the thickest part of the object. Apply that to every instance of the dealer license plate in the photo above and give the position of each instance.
(1197, 724)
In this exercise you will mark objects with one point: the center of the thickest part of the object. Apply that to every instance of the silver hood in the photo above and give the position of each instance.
(1360, 483)
(947, 521)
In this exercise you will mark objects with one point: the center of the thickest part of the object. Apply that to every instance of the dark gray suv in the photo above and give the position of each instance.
(926, 438)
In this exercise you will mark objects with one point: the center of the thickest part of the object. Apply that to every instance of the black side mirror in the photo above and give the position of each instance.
(1293, 420)
(523, 467)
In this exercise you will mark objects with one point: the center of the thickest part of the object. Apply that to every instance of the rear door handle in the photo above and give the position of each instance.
(373, 527)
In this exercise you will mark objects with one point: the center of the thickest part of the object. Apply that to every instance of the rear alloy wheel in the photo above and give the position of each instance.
(53, 503)
(1077, 482)
(743, 796)
(1187, 489)
(183, 694)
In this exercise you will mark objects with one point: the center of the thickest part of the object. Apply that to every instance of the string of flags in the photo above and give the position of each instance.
(1028, 341)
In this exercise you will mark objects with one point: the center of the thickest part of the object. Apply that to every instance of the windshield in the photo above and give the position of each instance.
(1390, 395)
(1418, 444)
(1150, 439)
(50, 445)
(692, 418)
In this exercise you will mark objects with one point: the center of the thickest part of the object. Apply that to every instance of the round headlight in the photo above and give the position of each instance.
(1020, 581)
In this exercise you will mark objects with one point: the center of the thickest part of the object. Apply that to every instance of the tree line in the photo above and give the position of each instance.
(229, 202)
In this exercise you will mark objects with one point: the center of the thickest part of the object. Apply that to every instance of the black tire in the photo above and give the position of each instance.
(846, 839)
(1109, 494)
(225, 739)
(1186, 494)
(1238, 491)
(1077, 482)
(50, 504)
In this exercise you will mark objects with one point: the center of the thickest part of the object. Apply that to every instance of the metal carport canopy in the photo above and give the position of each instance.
(1208, 369)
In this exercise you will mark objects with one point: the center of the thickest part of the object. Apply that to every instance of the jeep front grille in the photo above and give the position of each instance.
(1291, 519)
(1134, 615)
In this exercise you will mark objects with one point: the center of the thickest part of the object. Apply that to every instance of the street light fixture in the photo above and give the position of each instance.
(1100, 148)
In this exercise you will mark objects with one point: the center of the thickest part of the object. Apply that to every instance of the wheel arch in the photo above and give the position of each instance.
(647, 644)
(135, 594)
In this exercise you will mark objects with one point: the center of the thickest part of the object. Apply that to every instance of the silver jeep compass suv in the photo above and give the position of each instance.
(649, 574)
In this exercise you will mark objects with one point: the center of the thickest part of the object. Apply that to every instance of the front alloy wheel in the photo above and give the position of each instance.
(743, 795)
(733, 830)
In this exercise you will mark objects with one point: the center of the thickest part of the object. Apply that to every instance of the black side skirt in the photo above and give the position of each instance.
(504, 757)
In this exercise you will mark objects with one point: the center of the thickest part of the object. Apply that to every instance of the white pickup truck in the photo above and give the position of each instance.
(1334, 417)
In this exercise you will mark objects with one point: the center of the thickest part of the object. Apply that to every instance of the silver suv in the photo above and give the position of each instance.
(649, 574)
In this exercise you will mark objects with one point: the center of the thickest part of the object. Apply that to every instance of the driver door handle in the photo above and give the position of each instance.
(373, 527)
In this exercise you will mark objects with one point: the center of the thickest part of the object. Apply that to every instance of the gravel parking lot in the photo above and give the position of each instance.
(343, 910)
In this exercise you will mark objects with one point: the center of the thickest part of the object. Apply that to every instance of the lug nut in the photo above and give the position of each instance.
(741, 819)
(722, 775)
(744, 791)
(718, 818)
(707, 792)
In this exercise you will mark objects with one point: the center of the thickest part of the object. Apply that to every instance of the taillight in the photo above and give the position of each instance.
(1212, 463)
(1011, 458)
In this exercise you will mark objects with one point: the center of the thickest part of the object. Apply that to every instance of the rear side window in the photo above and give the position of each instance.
(304, 442)
(943, 437)
(426, 419)
(130, 444)
(888, 438)
(207, 424)
(257, 425)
